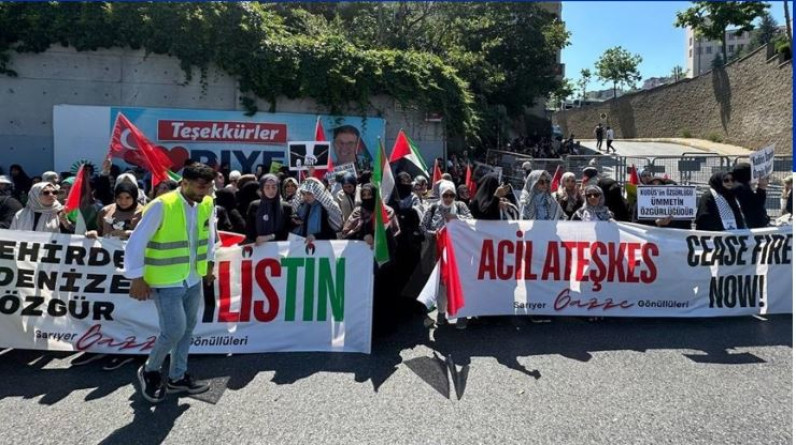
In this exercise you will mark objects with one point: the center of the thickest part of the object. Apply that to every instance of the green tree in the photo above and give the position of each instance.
(564, 90)
(583, 82)
(618, 66)
(677, 73)
(765, 32)
(711, 19)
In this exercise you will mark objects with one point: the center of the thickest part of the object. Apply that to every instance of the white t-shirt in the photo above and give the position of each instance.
(609, 134)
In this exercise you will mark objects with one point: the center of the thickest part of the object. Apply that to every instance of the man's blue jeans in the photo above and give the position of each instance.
(177, 308)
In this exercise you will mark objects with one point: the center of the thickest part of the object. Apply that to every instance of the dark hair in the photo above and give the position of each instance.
(346, 129)
(198, 171)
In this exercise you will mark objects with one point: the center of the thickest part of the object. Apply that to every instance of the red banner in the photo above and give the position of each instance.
(222, 131)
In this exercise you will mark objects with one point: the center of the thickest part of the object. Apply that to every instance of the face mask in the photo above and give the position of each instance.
(369, 204)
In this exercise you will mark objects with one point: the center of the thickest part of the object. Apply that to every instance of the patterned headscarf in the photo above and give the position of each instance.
(594, 213)
(316, 188)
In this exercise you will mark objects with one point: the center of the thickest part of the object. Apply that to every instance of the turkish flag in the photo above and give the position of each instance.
(130, 144)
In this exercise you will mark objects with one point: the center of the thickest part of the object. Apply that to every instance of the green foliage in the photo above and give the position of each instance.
(677, 73)
(460, 59)
(583, 82)
(711, 18)
(717, 61)
(765, 32)
(686, 134)
(714, 137)
(618, 66)
(782, 46)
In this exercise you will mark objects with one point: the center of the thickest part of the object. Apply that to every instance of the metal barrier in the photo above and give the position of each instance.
(687, 169)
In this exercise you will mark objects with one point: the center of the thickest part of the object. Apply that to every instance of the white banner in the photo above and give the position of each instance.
(67, 293)
(762, 162)
(577, 268)
(660, 201)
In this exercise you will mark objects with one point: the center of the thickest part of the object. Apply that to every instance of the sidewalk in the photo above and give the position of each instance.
(699, 144)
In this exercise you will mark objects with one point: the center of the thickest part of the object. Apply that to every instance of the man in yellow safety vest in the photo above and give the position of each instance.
(167, 256)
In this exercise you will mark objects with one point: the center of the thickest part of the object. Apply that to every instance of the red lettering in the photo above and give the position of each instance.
(270, 293)
(648, 251)
(616, 256)
(564, 300)
(94, 336)
(487, 264)
(551, 266)
(246, 290)
(582, 262)
(632, 248)
(504, 269)
(225, 313)
(529, 275)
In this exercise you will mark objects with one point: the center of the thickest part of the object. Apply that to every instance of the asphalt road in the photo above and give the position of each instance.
(620, 381)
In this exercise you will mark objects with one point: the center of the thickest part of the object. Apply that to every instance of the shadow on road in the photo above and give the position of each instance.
(506, 339)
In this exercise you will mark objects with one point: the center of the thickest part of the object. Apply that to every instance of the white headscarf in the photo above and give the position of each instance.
(129, 177)
(532, 202)
(594, 213)
(48, 221)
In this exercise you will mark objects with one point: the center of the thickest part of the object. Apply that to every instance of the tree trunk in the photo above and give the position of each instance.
(724, 47)
(614, 90)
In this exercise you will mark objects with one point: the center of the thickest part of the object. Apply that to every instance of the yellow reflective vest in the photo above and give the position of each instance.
(167, 254)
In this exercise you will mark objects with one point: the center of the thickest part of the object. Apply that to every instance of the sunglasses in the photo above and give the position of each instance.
(48, 193)
(592, 195)
(448, 195)
(542, 181)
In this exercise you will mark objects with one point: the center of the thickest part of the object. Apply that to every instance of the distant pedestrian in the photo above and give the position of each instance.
(609, 136)
(598, 134)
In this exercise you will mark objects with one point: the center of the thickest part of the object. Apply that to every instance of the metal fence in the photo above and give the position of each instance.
(687, 169)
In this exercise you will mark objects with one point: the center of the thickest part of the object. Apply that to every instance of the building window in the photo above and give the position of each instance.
(708, 50)
(731, 48)
(690, 52)
(740, 47)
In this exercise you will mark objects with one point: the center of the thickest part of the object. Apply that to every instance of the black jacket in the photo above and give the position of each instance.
(8, 208)
(251, 222)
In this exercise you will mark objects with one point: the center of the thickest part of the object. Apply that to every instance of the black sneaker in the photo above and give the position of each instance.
(187, 384)
(152, 387)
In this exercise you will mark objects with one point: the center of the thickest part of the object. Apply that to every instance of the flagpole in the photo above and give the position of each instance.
(387, 161)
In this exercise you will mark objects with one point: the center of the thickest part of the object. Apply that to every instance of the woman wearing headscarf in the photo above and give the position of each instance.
(435, 218)
(51, 177)
(269, 218)
(594, 209)
(360, 224)
(490, 201)
(227, 209)
(129, 177)
(718, 208)
(118, 220)
(536, 201)
(317, 214)
(289, 189)
(568, 196)
(247, 193)
(463, 194)
(21, 180)
(348, 197)
(42, 213)
(752, 201)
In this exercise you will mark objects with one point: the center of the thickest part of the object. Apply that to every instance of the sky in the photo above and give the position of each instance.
(641, 27)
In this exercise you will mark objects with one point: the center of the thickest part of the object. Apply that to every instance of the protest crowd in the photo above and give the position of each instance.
(270, 205)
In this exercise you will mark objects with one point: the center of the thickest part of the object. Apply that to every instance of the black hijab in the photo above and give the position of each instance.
(269, 212)
(370, 203)
(226, 199)
(246, 195)
(485, 205)
(717, 183)
(22, 182)
(129, 188)
(742, 173)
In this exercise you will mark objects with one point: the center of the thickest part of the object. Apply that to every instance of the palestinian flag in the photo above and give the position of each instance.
(384, 185)
(406, 156)
(79, 204)
(437, 176)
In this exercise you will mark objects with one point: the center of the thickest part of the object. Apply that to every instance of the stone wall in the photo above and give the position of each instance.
(749, 103)
(128, 78)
